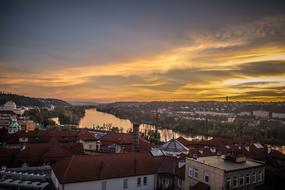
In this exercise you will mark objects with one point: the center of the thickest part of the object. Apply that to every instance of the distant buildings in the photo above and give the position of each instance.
(12, 120)
(260, 114)
(278, 115)
(11, 106)
(14, 127)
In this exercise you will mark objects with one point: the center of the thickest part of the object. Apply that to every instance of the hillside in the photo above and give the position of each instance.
(29, 101)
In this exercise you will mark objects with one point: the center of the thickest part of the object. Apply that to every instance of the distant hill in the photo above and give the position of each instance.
(77, 103)
(29, 101)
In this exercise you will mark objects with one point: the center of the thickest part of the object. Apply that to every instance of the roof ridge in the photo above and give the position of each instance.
(160, 164)
(68, 166)
(101, 168)
(135, 165)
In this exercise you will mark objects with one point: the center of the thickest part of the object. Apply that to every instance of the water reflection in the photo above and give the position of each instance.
(94, 118)
(56, 120)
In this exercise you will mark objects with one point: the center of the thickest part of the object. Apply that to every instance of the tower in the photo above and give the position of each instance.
(136, 130)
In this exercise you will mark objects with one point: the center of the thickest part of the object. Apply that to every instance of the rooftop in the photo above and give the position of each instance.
(174, 146)
(219, 162)
(107, 166)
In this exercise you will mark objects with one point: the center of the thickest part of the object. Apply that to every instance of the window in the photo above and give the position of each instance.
(104, 185)
(139, 181)
(259, 176)
(206, 177)
(191, 172)
(235, 183)
(228, 183)
(144, 180)
(253, 177)
(241, 180)
(125, 183)
(179, 182)
(195, 173)
(247, 179)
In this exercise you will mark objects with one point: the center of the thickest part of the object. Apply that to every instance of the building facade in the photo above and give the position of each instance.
(224, 172)
(141, 182)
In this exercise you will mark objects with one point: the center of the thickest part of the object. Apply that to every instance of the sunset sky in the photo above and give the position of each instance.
(146, 50)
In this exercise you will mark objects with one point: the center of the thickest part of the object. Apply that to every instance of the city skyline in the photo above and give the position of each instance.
(143, 51)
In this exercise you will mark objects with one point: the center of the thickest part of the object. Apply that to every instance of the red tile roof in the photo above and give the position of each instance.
(200, 186)
(118, 138)
(109, 166)
(105, 167)
(39, 152)
(46, 136)
(126, 140)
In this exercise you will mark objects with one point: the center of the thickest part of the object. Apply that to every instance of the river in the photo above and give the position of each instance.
(94, 118)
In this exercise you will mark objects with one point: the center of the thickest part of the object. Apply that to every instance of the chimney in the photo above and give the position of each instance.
(235, 157)
(136, 129)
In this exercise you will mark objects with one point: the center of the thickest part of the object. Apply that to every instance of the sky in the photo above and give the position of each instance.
(143, 50)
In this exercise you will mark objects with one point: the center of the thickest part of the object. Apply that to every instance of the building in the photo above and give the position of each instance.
(260, 114)
(6, 118)
(38, 154)
(14, 127)
(27, 125)
(278, 115)
(37, 178)
(224, 172)
(86, 138)
(136, 170)
(123, 142)
(11, 106)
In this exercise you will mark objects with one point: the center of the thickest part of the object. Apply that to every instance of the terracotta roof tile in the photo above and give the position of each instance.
(113, 166)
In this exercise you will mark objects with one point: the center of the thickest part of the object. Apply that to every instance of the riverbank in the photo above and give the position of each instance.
(207, 128)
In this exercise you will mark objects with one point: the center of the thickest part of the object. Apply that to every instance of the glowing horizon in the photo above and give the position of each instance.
(133, 58)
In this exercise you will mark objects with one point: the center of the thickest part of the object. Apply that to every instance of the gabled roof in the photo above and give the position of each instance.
(108, 166)
(118, 138)
(104, 167)
(46, 136)
(125, 139)
(174, 146)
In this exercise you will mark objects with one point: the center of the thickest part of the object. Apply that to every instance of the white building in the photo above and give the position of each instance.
(278, 115)
(261, 114)
(244, 113)
(132, 171)
(11, 106)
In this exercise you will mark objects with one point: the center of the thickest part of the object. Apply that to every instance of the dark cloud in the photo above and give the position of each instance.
(263, 68)
(263, 94)
(253, 85)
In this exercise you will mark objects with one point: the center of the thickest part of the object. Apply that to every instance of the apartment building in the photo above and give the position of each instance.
(224, 172)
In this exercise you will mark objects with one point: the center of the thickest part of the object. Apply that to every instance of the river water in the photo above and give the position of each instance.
(93, 118)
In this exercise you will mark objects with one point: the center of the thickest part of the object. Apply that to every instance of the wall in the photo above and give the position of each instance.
(112, 184)
(89, 145)
(250, 171)
(216, 176)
